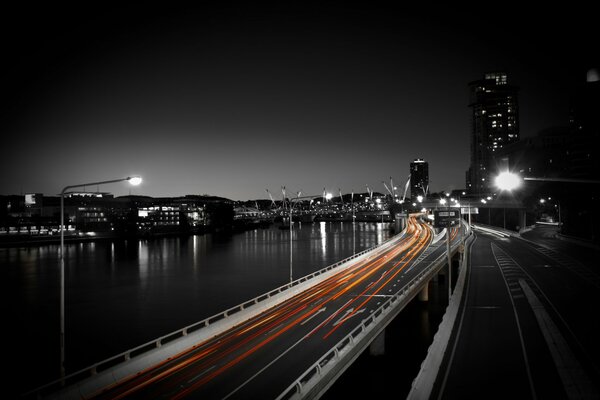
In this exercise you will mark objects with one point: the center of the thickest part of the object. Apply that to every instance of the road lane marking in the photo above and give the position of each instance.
(314, 315)
(267, 366)
(348, 311)
(575, 381)
(202, 373)
(274, 329)
(498, 255)
(346, 317)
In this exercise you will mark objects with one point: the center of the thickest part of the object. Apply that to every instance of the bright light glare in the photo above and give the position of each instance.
(419, 198)
(508, 181)
(136, 180)
(442, 201)
(328, 196)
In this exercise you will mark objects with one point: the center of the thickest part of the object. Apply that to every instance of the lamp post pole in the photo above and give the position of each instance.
(298, 197)
(134, 181)
(449, 261)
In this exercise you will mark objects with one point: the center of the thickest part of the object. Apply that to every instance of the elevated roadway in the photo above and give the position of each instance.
(295, 346)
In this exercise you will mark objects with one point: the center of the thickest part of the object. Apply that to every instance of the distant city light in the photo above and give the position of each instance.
(442, 201)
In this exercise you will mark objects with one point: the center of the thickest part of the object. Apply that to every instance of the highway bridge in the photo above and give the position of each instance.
(292, 342)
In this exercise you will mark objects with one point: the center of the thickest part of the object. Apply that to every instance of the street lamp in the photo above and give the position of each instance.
(134, 180)
(508, 181)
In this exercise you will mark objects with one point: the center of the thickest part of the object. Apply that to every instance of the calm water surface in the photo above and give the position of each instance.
(124, 293)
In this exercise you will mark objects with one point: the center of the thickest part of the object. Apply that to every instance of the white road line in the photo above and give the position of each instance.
(266, 366)
(342, 318)
(201, 374)
(512, 301)
(314, 315)
(345, 317)
(575, 381)
(277, 327)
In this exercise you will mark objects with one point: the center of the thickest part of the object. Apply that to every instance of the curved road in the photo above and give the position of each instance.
(262, 356)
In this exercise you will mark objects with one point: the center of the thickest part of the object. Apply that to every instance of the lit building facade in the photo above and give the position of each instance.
(419, 178)
(494, 125)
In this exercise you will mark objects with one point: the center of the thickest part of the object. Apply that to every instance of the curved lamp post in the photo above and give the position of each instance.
(134, 180)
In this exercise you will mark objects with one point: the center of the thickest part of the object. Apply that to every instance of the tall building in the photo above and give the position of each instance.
(494, 124)
(585, 127)
(419, 178)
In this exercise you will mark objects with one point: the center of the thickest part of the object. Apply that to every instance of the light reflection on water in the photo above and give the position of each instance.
(124, 293)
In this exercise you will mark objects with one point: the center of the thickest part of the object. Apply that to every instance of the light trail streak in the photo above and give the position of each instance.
(205, 361)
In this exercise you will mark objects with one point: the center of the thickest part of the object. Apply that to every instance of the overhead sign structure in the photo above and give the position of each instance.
(446, 218)
(467, 210)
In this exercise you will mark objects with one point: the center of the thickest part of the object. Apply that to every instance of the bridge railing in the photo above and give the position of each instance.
(129, 354)
(309, 379)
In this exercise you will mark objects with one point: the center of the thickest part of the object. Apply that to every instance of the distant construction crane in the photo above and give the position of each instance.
(273, 204)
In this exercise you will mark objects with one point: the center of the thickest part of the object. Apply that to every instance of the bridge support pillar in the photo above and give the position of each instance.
(522, 219)
(424, 293)
(400, 222)
(377, 347)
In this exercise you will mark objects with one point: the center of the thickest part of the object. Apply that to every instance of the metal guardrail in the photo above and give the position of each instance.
(326, 363)
(127, 355)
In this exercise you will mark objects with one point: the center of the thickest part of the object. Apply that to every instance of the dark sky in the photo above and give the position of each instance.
(231, 101)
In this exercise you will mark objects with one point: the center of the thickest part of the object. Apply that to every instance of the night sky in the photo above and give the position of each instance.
(230, 101)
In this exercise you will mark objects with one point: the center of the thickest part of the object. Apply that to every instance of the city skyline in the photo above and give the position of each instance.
(230, 101)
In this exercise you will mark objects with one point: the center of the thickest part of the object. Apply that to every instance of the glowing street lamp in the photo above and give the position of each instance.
(134, 180)
(508, 181)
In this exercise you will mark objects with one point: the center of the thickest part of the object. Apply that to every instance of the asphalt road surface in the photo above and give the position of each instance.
(530, 324)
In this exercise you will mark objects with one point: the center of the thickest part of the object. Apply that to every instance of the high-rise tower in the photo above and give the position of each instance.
(419, 178)
(494, 124)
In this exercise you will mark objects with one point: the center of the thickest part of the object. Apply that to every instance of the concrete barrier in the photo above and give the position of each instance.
(422, 385)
